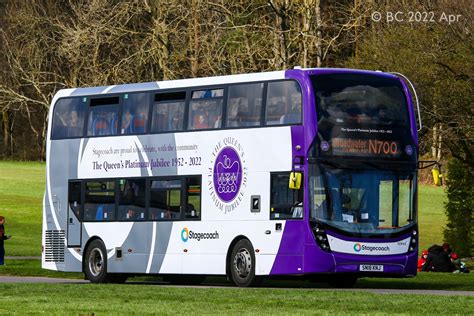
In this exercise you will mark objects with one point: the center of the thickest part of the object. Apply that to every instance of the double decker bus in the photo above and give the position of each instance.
(304, 172)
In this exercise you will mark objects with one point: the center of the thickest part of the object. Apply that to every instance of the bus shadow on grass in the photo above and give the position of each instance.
(424, 281)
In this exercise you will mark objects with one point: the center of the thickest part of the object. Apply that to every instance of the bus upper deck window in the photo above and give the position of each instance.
(135, 113)
(205, 110)
(168, 112)
(68, 118)
(283, 103)
(244, 105)
(103, 117)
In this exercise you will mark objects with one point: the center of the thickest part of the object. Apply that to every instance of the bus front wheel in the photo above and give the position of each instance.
(242, 264)
(95, 265)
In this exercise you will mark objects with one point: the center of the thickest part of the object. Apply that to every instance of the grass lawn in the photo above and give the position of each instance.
(431, 216)
(143, 298)
(21, 202)
(21, 267)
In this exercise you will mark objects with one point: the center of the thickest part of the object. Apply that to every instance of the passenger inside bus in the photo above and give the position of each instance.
(200, 121)
(104, 212)
(134, 122)
(348, 213)
(74, 130)
(68, 121)
(294, 114)
(99, 208)
(139, 123)
(240, 114)
(101, 127)
(275, 111)
(131, 206)
(174, 124)
(127, 123)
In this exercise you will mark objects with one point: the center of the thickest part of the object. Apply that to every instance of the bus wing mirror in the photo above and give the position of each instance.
(437, 177)
(295, 180)
(435, 172)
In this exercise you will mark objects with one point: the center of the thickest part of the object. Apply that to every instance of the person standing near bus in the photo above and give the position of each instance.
(3, 237)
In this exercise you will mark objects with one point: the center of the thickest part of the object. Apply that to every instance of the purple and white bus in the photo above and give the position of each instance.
(308, 172)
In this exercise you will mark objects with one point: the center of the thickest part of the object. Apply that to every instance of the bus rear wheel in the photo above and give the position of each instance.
(242, 264)
(95, 264)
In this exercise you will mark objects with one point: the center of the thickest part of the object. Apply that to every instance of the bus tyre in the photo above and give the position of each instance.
(95, 264)
(242, 264)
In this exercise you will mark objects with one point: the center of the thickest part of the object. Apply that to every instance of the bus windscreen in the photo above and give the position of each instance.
(362, 115)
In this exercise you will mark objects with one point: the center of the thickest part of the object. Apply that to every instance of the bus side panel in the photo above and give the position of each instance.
(162, 247)
(133, 239)
(204, 246)
(290, 253)
(65, 153)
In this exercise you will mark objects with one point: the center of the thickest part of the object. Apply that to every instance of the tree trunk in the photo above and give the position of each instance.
(195, 39)
(434, 145)
(440, 139)
(319, 50)
(6, 124)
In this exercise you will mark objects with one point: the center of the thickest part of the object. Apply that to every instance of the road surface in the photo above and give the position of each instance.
(16, 279)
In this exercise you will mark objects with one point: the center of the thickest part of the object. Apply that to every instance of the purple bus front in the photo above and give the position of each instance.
(359, 167)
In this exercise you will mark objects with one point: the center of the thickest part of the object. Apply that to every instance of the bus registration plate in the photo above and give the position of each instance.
(371, 267)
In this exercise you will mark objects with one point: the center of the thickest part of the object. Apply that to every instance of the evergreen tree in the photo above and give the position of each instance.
(460, 208)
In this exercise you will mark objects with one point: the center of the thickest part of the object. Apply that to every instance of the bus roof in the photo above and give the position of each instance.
(204, 81)
(174, 84)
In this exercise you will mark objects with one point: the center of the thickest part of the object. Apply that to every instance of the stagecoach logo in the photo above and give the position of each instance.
(228, 174)
(357, 247)
(187, 234)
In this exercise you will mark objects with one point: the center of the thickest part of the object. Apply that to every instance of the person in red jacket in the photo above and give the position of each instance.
(422, 260)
